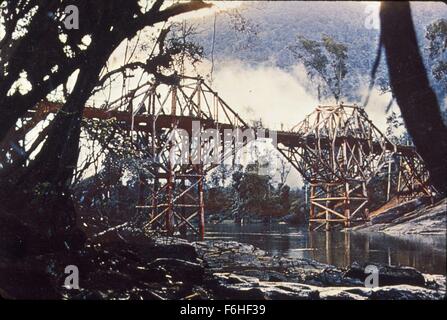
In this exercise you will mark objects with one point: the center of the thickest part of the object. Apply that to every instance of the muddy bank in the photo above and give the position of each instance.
(130, 265)
(413, 217)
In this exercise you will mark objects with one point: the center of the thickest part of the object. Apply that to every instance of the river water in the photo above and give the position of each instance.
(423, 252)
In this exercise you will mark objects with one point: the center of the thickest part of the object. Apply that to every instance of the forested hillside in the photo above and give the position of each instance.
(265, 30)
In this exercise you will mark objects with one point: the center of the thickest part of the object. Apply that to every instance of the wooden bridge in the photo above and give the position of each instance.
(336, 149)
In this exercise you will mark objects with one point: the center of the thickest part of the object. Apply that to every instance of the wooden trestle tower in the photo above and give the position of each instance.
(177, 185)
(338, 152)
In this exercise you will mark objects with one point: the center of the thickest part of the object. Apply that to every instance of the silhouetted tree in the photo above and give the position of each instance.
(410, 86)
(37, 47)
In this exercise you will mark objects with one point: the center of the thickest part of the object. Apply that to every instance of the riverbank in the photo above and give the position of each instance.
(130, 265)
(427, 253)
(237, 270)
(413, 217)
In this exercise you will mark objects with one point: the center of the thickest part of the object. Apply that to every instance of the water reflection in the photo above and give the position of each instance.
(426, 253)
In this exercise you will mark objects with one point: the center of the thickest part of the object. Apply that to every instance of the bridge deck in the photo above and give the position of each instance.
(145, 123)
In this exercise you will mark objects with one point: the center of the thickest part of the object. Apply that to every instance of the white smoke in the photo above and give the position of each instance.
(265, 92)
(262, 92)
(376, 107)
(278, 96)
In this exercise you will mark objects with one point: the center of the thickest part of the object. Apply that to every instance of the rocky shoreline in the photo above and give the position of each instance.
(133, 266)
(242, 271)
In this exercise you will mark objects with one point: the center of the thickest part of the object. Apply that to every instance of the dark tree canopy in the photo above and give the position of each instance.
(37, 46)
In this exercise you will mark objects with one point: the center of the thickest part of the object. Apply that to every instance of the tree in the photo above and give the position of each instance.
(252, 189)
(283, 169)
(436, 35)
(326, 62)
(395, 126)
(37, 47)
(409, 83)
(284, 197)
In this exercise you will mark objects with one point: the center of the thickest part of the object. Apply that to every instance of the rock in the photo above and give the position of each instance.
(183, 251)
(180, 270)
(388, 275)
(127, 269)
(108, 280)
(240, 271)
(328, 277)
(344, 293)
(401, 292)
(405, 292)
(152, 274)
(90, 295)
(221, 254)
(435, 282)
(231, 286)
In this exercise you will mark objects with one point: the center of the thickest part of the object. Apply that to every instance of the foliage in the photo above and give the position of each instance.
(396, 130)
(219, 199)
(278, 23)
(436, 35)
(325, 62)
(183, 49)
(72, 64)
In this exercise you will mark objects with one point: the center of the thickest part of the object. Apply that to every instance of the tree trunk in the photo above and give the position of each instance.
(416, 99)
(39, 194)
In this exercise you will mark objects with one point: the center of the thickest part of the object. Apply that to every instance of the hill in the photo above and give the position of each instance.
(260, 32)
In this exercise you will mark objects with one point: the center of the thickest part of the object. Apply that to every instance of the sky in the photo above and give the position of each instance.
(218, 6)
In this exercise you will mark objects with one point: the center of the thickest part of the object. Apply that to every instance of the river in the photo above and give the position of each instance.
(423, 252)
